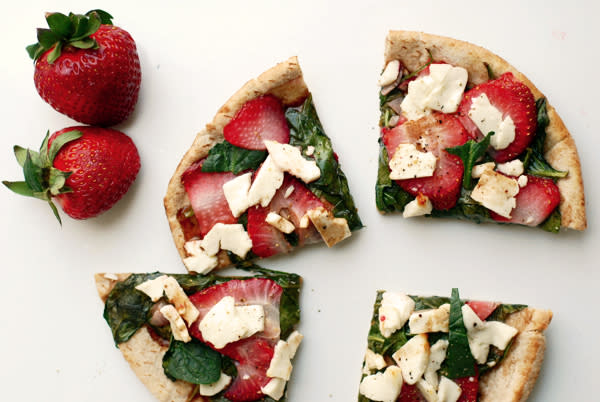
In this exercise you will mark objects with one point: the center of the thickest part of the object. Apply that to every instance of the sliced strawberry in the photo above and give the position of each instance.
(259, 119)
(252, 363)
(205, 191)
(410, 393)
(535, 202)
(266, 239)
(433, 133)
(512, 98)
(483, 309)
(252, 356)
(469, 387)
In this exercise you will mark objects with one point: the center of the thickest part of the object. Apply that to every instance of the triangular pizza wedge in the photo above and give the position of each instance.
(261, 179)
(464, 134)
(192, 338)
(449, 349)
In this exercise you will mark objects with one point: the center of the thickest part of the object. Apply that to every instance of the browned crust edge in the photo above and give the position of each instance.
(285, 81)
(514, 378)
(560, 151)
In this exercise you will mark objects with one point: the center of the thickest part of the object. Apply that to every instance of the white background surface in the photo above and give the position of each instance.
(54, 344)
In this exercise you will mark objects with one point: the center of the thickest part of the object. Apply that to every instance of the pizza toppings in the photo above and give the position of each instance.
(333, 230)
(280, 368)
(170, 287)
(489, 119)
(178, 327)
(409, 163)
(432, 320)
(279, 222)
(512, 168)
(198, 261)
(289, 159)
(442, 90)
(394, 311)
(428, 369)
(227, 237)
(390, 73)
(216, 387)
(258, 120)
(496, 192)
(421, 205)
(384, 386)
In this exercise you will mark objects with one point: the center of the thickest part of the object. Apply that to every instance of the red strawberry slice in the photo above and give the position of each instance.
(252, 355)
(266, 239)
(433, 133)
(259, 119)
(205, 191)
(410, 393)
(483, 309)
(535, 202)
(469, 387)
(513, 99)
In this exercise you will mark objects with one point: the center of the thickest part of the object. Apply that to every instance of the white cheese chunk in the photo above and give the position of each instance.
(382, 387)
(333, 230)
(154, 288)
(432, 320)
(304, 222)
(437, 355)
(293, 342)
(478, 170)
(448, 391)
(281, 363)
(441, 90)
(310, 150)
(496, 192)
(236, 193)
(522, 180)
(410, 163)
(178, 327)
(511, 168)
(482, 334)
(418, 207)
(394, 311)
(230, 237)
(427, 391)
(274, 388)
(488, 118)
(279, 222)
(373, 361)
(225, 322)
(179, 299)
(413, 358)
(289, 159)
(267, 181)
(198, 261)
(389, 74)
(288, 192)
(215, 387)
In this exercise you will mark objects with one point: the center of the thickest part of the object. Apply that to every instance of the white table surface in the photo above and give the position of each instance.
(55, 346)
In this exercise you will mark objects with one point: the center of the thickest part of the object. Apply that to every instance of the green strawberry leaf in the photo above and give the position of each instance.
(60, 141)
(56, 180)
(46, 38)
(19, 187)
(20, 154)
(60, 24)
(33, 173)
(55, 211)
(470, 152)
(88, 43)
(104, 17)
(55, 53)
(35, 50)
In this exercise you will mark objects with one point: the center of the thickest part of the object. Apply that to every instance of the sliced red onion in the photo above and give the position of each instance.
(395, 104)
(157, 319)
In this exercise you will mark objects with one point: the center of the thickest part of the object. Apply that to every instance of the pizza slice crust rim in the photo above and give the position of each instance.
(413, 50)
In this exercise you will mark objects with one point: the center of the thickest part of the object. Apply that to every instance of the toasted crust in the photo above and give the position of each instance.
(284, 81)
(514, 378)
(145, 355)
(413, 49)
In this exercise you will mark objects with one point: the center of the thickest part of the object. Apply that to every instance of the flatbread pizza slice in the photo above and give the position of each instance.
(448, 349)
(261, 179)
(192, 338)
(464, 134)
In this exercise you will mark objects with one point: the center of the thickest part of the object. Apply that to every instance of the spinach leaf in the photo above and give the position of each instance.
(466, 209)
(553, 222)
(126, 309)
(389, 196)
(226, 157)
(460, 361)
(534, 161)
(504, 310)
(470, 152)
(193, 362)
(305, 130)
(424, 303)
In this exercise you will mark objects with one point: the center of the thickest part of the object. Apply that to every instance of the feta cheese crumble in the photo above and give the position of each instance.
(382, 387)
(488, 118)
(412, 358)
(232, 237)
(333, 230)
(410, 163)
(289, 159)
(394, 311)
(496, 192)
(418, 207)
(215, 387)
(389, 74)
(279, 222)
(512, 168)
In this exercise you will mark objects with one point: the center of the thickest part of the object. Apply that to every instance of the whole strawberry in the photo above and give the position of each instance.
(86, 68)
(85, 169)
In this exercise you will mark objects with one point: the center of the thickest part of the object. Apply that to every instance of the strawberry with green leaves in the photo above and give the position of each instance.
(86, 170)
(87, 68)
